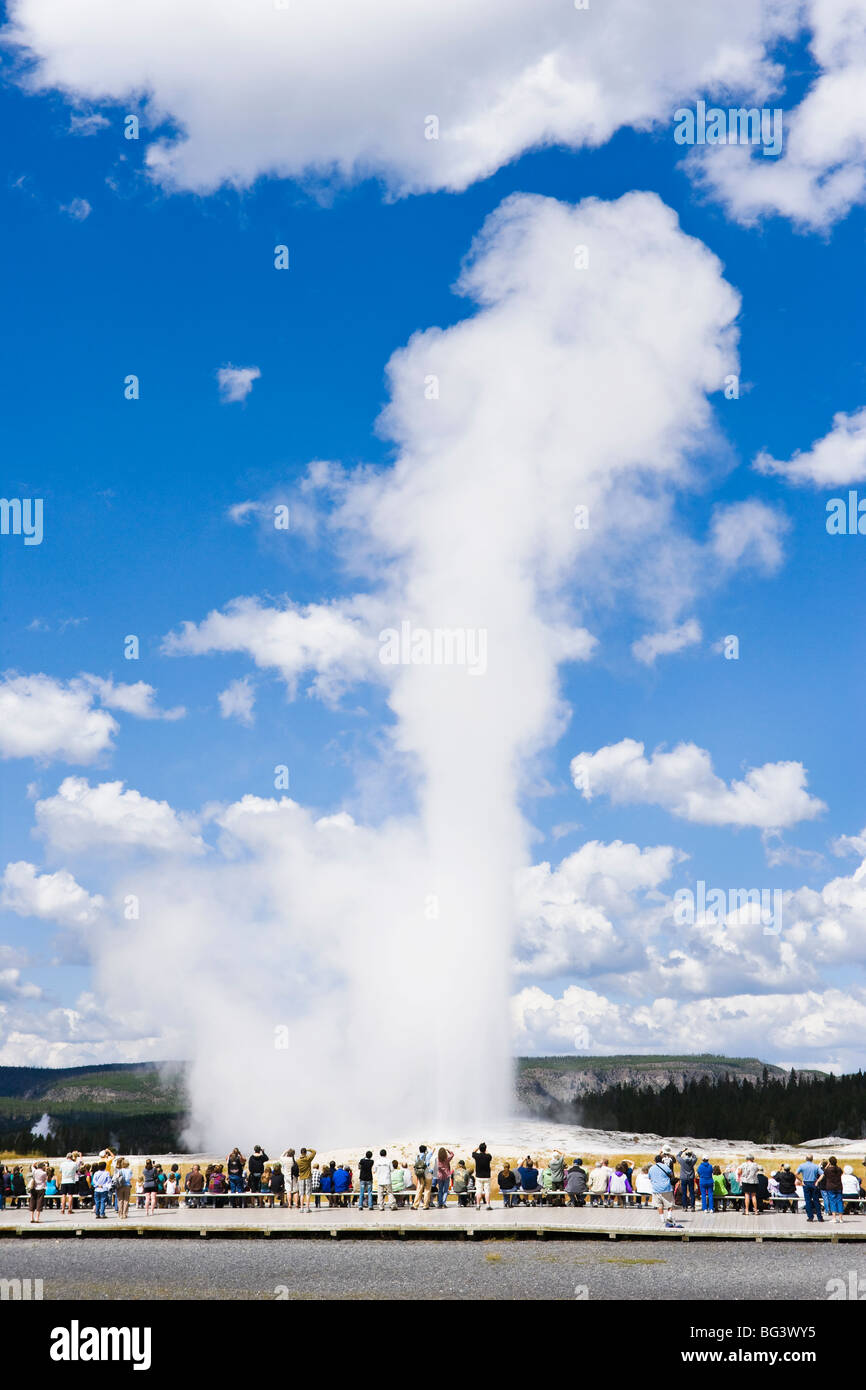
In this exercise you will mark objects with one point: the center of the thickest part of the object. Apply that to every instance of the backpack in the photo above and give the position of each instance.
(421, 1165)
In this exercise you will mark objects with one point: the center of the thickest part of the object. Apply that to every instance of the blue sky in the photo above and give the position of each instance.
(172, 284)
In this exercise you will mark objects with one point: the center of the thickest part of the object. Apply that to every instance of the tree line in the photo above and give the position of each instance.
(90, 1131)
(773, 1110)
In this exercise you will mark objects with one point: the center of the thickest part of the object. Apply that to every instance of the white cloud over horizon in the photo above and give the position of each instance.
(789, 1025)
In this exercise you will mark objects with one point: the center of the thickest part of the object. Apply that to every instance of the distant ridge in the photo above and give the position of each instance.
(544, 1083)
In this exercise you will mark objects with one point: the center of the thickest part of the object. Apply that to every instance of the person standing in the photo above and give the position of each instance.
(687, 1161)
(384, 1196)
(831, 1186)
(661, 1178)
(69, 1167)
(148, 1186)
(443, 1175)
(102, 1186)
(122, 1186)
(747, 1173)
(255, 1168)
(235, 1170)
(705, 1179)
(36, 1189)
(292, 1172)
(365, 1180)
(481, 1159)
(810, 1173)
(305, 1178)
(423, 1177)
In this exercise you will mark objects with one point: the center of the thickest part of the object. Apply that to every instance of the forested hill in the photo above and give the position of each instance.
(137, 1105)
(549, 1085)
(772, 1110)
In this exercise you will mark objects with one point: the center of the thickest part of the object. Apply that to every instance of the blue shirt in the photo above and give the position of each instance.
(528, 1178)
(660, 1178)
(811, 1172)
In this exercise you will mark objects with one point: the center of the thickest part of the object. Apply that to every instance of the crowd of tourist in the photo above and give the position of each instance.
(671, 1183)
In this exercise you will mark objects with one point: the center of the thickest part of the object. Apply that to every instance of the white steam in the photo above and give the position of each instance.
(571, 385)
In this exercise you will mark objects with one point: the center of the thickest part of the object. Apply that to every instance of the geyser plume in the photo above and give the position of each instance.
(379, 955)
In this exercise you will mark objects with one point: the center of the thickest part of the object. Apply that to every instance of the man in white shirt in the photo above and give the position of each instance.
(383, 1182)
(69, 1169)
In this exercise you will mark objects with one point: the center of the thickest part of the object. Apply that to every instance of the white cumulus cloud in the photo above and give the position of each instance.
(821, 173)
(683, 782)
(346, 91)
(43, 718)
(81, 817)
(836, 460)
(52, 897)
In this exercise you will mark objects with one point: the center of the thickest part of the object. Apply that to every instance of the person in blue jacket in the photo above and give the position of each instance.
(342, 1183)
(705, 1178)
(326, 1183)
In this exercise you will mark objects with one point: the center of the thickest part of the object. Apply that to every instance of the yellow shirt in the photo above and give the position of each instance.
(305, 1165)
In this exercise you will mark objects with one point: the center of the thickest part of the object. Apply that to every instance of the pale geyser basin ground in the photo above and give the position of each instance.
(511, 1140)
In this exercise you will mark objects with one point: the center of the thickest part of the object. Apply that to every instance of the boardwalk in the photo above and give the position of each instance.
(453, 1222)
